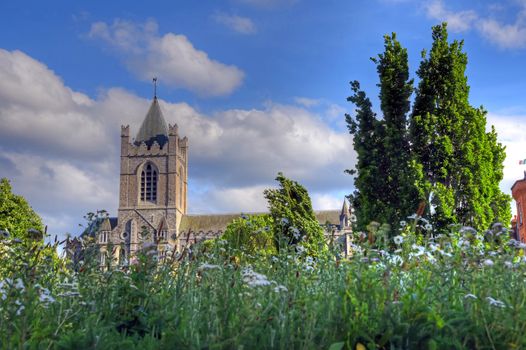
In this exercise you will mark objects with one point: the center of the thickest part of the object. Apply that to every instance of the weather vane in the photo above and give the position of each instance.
(155, 87)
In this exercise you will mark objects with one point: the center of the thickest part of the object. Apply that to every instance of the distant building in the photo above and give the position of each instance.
(153, 198)
(518, 191)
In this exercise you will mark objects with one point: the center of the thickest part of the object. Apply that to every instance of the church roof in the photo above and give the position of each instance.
(154, 127)
(215, 223)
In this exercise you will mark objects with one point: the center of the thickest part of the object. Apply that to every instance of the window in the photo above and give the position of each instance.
(149, 184)
(103, 258)
(103, 237)
(163, 235)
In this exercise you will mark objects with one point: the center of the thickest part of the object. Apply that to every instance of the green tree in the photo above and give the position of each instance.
(16, 215)
(251, 234)
(462, 163)
(294, 220)
(387, 175)
(366, 130)
(22, 249)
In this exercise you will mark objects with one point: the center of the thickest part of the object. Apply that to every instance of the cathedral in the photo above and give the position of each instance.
(153, 197)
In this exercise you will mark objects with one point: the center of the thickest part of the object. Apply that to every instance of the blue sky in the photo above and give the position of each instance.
(258, 86)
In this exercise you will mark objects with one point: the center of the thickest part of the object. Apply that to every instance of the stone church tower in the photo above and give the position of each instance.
(153, 188)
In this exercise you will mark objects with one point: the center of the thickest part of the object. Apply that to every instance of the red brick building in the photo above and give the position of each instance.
(518, 191)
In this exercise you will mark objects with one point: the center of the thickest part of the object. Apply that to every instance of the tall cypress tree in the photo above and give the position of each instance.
(386, 185)
(462, 163)
(366, 131)
(402, 175)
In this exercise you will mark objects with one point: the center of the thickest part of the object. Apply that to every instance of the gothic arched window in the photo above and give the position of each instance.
(149, 184)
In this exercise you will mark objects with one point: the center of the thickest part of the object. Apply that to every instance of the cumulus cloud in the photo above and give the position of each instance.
(505, 35)
(171, 56)
(62, 149)
(512, 134)
(457, 21)
(243, 25)
(308, 102)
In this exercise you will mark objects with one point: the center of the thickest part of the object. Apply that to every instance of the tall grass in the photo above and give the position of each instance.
(462, 291)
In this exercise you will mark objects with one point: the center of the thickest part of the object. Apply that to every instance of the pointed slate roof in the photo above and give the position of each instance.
(345, 208)
(153, 127)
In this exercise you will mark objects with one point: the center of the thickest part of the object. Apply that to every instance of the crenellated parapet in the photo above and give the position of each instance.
(143, 150)
(125, 130)
(173, 130)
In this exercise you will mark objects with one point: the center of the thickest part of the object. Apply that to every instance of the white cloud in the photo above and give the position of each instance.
(457, 21)
(505, 35)
(171, 57)
(323, 201)
(308, 102)
(511, 132)
(243, 25)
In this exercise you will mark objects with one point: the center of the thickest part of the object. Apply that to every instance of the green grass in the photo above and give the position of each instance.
(444, 295)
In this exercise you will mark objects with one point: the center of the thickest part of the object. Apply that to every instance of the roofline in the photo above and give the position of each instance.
(252, 213)
(516, 182)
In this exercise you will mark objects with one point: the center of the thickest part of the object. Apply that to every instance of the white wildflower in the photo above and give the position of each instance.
(420, 250)
(398, 239)
(295, 232)
(254, 279)
(396, 260)
(434, 247)
(521, 245)
(206, 266)
(300, 249)
(309, 268)
(468, 296)
(462, 244)
(495, 302)
(468, 230)
(508, 264)
(403, 223)
(488, 262)
(280, 288)
(443, 253)
(284, 221)
(19, 284)
(428, 227)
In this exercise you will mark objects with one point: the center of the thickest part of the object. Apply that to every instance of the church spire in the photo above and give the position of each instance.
(154, 127)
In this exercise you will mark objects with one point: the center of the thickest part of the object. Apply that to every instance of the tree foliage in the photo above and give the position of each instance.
(22, 248)
(462, 163)
(251, 234)
(387, 178)
(442, 154)
(16, 215)
(294, 220)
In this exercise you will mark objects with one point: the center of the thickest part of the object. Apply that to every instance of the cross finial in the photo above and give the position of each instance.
(155, 87)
